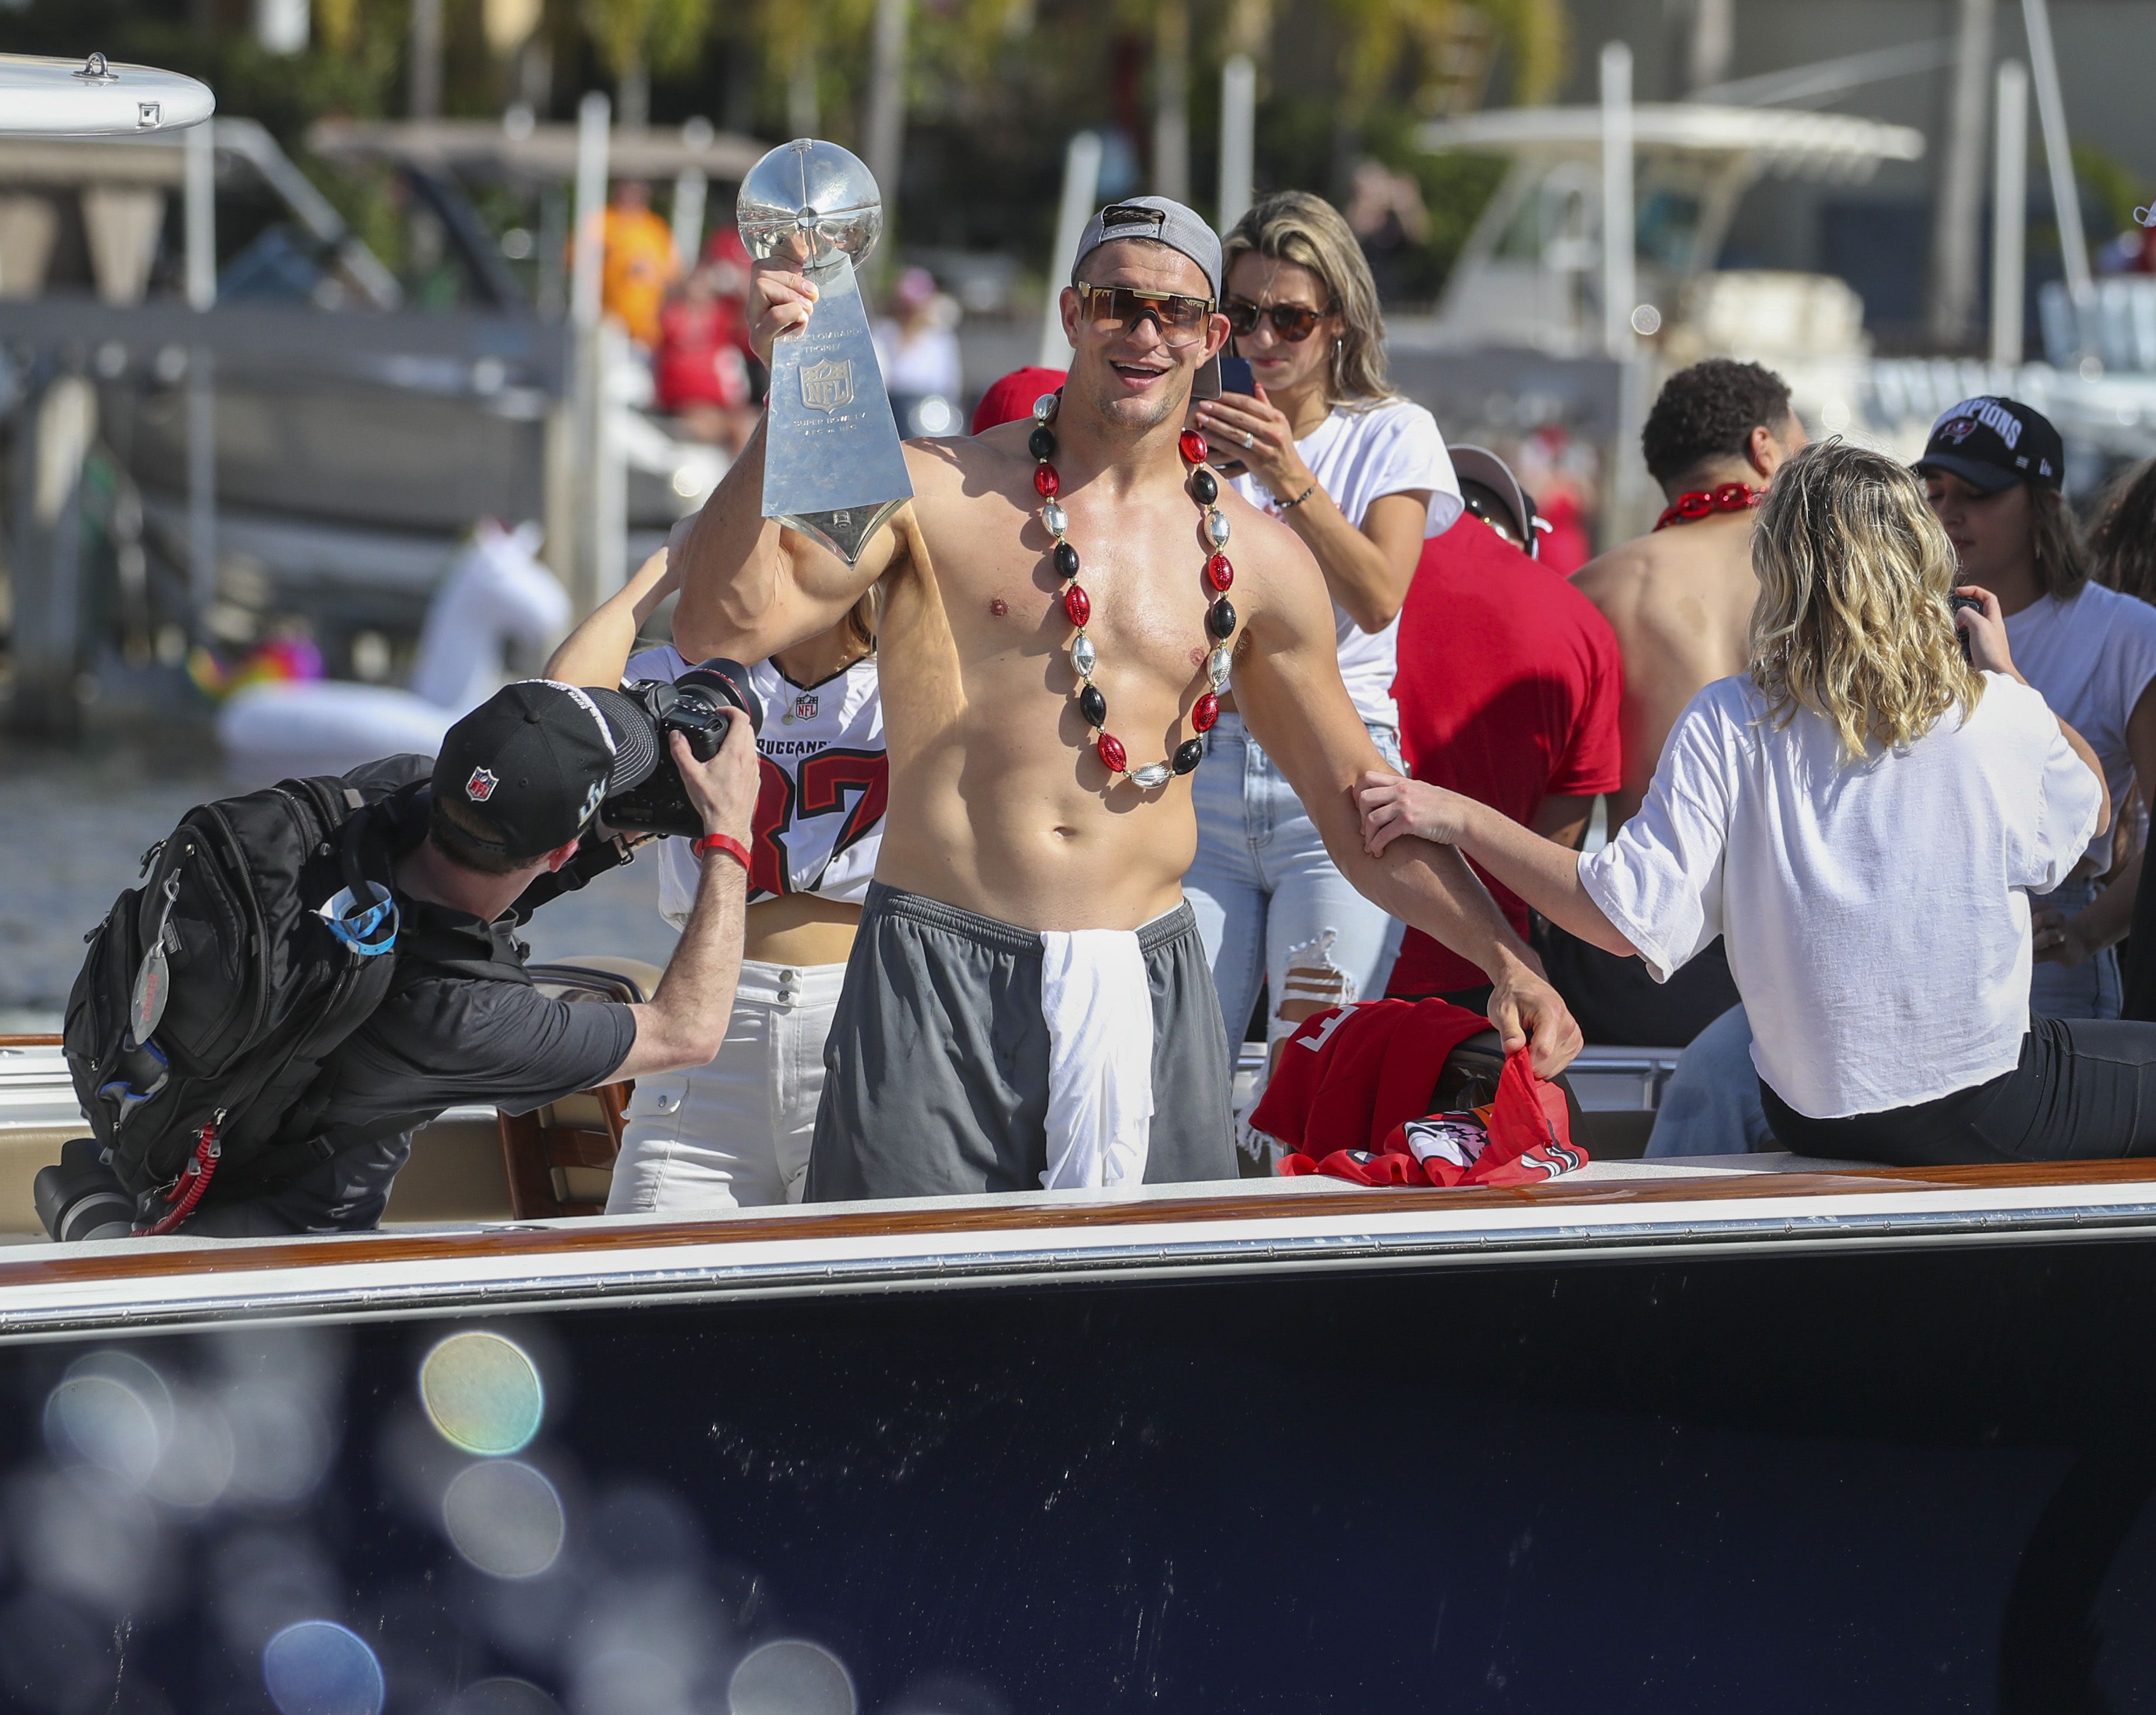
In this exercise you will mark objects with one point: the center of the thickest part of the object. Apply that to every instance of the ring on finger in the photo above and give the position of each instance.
(1250, 440)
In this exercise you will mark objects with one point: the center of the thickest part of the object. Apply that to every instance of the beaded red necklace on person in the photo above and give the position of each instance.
(1078, 605)
(1701, 503)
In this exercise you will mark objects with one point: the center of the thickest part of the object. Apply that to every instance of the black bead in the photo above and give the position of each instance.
(1067, 560)
(1206, 486)
(1041, 443)
(1188, 755)
(1093, 705)
(1220, 619)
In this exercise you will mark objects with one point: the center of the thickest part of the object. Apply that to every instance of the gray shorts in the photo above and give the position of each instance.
(935, 1071)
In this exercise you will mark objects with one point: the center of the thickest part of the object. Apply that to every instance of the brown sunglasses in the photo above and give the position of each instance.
(1293, 322)
(1126, 305)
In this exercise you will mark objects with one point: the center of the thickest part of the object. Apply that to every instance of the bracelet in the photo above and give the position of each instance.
(721, 842)
(1290, 506)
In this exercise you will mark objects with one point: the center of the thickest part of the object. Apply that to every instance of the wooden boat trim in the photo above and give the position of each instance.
(142, 1285)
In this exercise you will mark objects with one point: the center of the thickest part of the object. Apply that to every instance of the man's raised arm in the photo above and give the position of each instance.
(749, 586)
(1289, 692)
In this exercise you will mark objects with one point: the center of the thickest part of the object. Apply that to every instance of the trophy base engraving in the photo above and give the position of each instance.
(842, 532)
(833, 469)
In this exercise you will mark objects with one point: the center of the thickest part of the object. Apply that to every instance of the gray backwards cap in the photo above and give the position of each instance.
(1158, 219)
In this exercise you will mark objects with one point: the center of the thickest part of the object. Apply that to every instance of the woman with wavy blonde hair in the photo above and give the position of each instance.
(1862, 817)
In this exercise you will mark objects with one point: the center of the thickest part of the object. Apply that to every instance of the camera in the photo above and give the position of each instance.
(81, 1197)
(1956, 603)
(692, 705)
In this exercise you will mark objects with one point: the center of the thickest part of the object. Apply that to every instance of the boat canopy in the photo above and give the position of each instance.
(518, 147)
(41, 97)
(1831, 145)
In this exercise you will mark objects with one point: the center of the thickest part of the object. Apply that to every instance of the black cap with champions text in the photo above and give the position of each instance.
(1994, 442)
(533, 763)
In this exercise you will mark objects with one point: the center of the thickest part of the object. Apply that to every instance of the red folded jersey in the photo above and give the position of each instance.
(1361, 1063)
(1349, 1078)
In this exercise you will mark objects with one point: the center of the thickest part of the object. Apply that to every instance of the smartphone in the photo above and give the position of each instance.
(1224, 374)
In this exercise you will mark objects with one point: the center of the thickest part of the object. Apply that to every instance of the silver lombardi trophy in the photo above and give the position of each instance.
(832, 467)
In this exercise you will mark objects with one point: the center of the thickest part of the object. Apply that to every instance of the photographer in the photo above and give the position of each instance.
(1864, 816)
(517, 785)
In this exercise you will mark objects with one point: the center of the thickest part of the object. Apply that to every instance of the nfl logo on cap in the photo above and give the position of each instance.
(480, 787)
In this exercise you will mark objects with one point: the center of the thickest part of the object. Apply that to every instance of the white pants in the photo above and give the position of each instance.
(735, 1134)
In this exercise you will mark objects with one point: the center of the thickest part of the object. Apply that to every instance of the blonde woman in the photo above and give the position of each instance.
(735, 1134)
(1863, 816)
(1362, 476)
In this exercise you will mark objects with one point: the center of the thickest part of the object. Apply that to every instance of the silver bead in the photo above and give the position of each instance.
(1055, 518)
(1083, 656)
(1044, 408)
(1216, 528)
(1217, 666)
(1151, 775)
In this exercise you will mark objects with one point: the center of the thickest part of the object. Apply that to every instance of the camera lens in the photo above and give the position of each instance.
(81, 1197)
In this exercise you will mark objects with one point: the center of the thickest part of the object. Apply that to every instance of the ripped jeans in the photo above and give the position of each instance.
(1270, 905)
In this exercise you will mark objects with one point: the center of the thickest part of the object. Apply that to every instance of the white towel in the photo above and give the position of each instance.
(1098, 1005)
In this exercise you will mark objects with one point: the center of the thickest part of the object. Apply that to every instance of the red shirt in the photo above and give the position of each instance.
(1508, 686)
(699, 360)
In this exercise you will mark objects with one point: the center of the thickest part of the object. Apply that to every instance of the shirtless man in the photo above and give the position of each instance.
(1680, 600)
(1028, 1002)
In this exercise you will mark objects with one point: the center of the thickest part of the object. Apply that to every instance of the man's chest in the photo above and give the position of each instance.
(1139, 594)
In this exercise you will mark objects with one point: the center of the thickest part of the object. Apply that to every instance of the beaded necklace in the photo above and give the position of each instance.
(1730, 497)
(1078, 605)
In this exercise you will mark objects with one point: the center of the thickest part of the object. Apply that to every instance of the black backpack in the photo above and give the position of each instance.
(213, 991)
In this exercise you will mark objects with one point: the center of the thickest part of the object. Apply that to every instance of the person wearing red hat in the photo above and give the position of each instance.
(1011, 397)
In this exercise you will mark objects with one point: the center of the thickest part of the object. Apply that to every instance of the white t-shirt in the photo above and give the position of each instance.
(2091, 655)
(818, 816)
(1357, 457)
(1876, 914)
(928, 362)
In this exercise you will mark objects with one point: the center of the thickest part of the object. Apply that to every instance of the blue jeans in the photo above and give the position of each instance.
(1270, 905)
(1711, 1104)
(2091, 989)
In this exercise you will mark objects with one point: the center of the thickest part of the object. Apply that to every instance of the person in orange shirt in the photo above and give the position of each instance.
(640, 264)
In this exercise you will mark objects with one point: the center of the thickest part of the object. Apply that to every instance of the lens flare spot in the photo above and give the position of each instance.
(791, 1677)
(504, 1696)
(113, 1411)
(483, 1392)
(317, 1667)
(504, 1517)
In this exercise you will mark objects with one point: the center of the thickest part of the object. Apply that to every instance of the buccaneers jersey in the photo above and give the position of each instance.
(819, 814)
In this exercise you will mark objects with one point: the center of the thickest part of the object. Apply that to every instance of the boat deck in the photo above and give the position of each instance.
(452, 1249)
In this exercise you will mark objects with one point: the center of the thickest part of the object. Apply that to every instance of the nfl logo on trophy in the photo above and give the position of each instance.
(825, 386)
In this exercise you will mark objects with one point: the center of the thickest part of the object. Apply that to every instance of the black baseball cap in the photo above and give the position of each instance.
(1994, 442)
(1479, 468)
(533, 763)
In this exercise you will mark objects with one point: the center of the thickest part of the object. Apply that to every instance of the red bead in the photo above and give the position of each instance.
(1112, 759)
(1075, 606)
(1205, 712)
(1193, 445)
(1045, 482)
(1221, 573)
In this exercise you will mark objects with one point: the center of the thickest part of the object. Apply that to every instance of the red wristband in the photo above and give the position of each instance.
(721, 842)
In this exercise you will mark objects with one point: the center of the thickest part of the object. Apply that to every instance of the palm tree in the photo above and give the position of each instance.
(635, 38)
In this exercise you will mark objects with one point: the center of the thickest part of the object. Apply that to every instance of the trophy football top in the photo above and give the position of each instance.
(815, 190)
